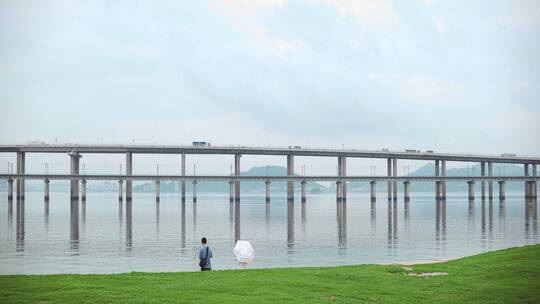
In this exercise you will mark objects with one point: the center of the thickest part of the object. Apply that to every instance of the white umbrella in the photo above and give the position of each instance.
(243, 251)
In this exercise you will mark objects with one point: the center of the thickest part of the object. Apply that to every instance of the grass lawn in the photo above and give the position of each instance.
(505, 276)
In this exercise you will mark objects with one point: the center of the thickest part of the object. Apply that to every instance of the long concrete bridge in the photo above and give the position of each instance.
(78, 181)
(75, 153)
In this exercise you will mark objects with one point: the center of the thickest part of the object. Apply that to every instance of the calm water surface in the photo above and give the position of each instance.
(165, 236)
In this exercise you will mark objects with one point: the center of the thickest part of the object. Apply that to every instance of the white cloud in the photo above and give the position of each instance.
(379, 14)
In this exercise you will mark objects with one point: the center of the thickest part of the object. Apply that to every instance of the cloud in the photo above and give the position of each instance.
(245, 14)
(379, 14)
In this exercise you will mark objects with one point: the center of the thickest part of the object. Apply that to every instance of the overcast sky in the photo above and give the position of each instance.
(460, 76)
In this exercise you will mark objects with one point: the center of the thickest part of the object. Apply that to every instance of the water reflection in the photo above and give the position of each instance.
(502, 214)
(531, 217)
(290, 225)
(10, 216)
(490, 215)
(303, 216)
(440, 220)
(483, 218)
(341, 211)
(392, 224)
(83, 214)
(373, 218)
(183, 226)
(157, 218)
(19, 231)
(267, 209)
(120, 211)
(46, 213)
(406, 215)
(129, 233)
(470, 216)
(236, 219)
(74, 224)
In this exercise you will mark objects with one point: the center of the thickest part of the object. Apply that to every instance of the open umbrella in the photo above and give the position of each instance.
(244, 252)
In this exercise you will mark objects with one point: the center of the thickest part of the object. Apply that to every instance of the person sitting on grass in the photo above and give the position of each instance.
(205, 254)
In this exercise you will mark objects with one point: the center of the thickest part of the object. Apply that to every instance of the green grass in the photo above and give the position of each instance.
(505, 276)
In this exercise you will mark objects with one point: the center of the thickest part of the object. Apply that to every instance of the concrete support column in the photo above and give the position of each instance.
(183, 182)
(267, 184)
(373, 185)
(483, 184)
(443, 173)
(158, 190)
(45, 189)
(20, 170)
(490, 183)
(10, 189)
(502, 186)
(303, 190)
(395, 183)
(342, 171)
(535, 187)
(407, 191)
(83, 190)
(194, 191)
(471, 190)
(290, 173)
(527, 184)
(129, 172)
(437, 173)
(389, 172)
(74, 170)
(237, 174)
(120, 190)
(231, 191)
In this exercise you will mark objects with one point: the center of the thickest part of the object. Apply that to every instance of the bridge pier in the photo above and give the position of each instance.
(231, 191)
(303, 190)
(83, 190)
(406, 191)
(120, 190)
(483, 183)
(389, 172)
(46, 189)
(20, 170)
(535, 188)
(10, 189)
(395, 183)
(74, 170)
(373, 185)
(158, 190)
(290, 173)
(237, 173)
(490, 183)
(443, 173)
(183, 182)
(267, 185)
(342, 171)
(437, 183)
(471, 190)
(194, 191)
(129, 182)
(502, 186)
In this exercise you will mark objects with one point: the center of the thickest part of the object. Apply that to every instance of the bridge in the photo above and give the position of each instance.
(75, 152)
(439, 177)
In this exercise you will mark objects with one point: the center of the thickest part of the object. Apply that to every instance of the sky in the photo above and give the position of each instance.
(456, 76)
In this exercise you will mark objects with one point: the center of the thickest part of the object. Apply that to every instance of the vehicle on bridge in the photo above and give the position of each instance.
(201, 144)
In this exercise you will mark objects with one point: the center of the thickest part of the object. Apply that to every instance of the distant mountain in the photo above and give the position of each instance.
(457, 186)
(220, 186)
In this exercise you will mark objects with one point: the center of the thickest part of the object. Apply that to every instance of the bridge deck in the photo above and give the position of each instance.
(153, 149)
